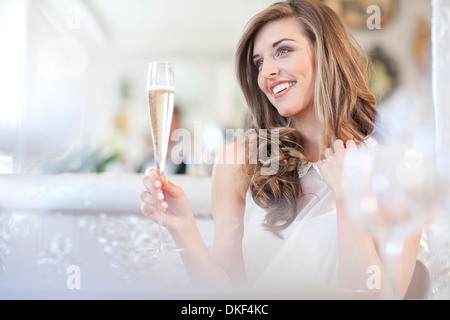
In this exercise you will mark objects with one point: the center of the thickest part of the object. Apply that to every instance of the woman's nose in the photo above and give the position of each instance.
(270, 68)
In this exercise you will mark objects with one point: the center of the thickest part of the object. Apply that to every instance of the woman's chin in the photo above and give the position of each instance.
(284, 113)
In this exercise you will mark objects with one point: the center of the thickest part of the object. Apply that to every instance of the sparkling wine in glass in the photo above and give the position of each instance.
(161, 95)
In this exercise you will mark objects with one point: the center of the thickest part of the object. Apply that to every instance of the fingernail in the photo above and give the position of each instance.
(160, 196)
(164, 205)
(158, 184)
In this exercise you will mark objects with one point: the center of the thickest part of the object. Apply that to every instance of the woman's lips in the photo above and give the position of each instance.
(281, 88)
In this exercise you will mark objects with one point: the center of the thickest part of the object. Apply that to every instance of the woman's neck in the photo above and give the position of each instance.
(312, 137)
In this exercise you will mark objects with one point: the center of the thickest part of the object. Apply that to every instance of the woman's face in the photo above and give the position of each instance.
(285, 59)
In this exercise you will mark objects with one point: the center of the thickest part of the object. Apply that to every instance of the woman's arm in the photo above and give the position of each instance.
(225, 266)
(357, 249)
(229, 188)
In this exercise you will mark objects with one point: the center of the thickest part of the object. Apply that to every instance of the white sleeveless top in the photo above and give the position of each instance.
(307, 255)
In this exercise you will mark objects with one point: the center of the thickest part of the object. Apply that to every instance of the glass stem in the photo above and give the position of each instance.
(391, 251)
(160, 230)
(160, 214)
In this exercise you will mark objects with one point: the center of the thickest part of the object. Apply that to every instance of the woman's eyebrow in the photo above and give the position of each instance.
(280, 41)
(274, 45)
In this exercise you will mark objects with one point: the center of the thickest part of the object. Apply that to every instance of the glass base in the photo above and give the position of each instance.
(158, 249)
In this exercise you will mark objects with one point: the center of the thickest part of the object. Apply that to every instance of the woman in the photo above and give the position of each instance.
(304, 79)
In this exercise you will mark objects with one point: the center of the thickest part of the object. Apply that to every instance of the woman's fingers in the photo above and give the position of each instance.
(351, 144)
(328, 153)
(154, 197)
(152, 188)
(151, 209)
(338, 145)
(152, 180)
(153, 184)
(149, 198)
(149, 212)
(155, 200)
(337, 151)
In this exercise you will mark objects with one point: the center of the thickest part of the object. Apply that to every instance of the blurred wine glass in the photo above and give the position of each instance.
(392, 190)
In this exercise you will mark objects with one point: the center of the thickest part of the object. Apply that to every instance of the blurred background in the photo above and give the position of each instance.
(73, 99)
(73, 75)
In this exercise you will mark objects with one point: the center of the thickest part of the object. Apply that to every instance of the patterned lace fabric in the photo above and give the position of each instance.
(306, 166)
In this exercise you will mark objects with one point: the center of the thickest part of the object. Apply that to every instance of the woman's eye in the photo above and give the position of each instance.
(259, 63)
(282, 51)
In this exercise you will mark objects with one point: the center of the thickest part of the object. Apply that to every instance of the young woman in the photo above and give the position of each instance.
(305, 78)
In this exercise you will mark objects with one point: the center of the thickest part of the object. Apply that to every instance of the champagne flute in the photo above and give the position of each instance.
(161, 95)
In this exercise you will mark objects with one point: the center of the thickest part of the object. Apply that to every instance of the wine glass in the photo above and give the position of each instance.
(391, 191)
(161, 95)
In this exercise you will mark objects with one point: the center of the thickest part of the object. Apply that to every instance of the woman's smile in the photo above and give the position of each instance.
(280, 88)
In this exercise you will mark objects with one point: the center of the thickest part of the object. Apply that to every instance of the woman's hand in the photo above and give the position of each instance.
(332, 166)
(161, 194)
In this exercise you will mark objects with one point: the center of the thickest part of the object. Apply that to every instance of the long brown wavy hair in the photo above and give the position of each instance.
(344, 105)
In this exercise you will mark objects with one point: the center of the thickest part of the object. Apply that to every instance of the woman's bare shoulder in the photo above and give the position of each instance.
(230, 170)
